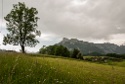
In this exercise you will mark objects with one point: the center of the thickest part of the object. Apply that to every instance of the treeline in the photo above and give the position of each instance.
(59, 50)
(122, 56)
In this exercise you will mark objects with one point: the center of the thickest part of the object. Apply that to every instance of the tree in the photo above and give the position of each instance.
(75, 53)
(43, 50)
(79, 56)
(21, 25)
(62, 51)
(66, 52)
(57, 50)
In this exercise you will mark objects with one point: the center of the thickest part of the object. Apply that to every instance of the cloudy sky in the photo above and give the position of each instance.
(88, 20)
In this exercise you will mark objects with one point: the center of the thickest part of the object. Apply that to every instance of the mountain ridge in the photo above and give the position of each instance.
(89, 47)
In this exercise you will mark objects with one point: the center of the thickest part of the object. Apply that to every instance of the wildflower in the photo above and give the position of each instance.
(61, 82)
(57, 81)
(68, 72)
(30, 70)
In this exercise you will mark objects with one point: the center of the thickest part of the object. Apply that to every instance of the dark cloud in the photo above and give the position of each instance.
(85, 19)
(94, 19)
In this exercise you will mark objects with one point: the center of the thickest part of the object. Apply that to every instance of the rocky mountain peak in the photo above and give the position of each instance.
(87, 47)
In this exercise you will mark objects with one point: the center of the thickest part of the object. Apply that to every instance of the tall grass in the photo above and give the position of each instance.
(22, 69)
(25, 69)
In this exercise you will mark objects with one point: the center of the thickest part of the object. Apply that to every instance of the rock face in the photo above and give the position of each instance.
(87, 47)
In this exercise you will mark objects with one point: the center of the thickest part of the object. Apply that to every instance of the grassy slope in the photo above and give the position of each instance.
(25, 69)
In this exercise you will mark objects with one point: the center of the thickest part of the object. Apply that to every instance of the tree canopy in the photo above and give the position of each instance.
(76, 53)
(21, 26)
(57, 50)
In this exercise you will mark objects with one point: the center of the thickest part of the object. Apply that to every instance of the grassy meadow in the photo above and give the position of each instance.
(17, 68)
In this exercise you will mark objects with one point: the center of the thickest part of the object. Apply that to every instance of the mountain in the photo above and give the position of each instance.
(87, 47)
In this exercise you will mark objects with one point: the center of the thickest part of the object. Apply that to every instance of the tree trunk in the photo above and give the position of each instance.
(23, 48)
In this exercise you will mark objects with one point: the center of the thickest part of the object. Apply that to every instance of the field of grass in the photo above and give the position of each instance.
(18, 68)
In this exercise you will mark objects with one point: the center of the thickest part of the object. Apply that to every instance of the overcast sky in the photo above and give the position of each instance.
(88, 20)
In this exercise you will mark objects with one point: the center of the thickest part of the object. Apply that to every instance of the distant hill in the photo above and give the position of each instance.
(87, 47)
(3, 50)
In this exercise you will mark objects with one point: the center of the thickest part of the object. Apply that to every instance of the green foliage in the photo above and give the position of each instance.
(57, 50)
(95, 54)
(21, 26)
(116, 55)
(43, 50)
(76, 54)
(60, 50)
(79, 56)
(102, 59)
